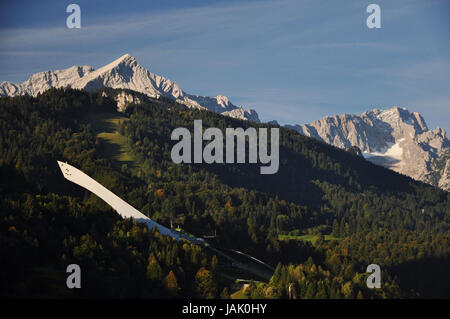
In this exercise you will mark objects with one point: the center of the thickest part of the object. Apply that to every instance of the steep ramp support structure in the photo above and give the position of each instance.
(119, 205)
(127, 211)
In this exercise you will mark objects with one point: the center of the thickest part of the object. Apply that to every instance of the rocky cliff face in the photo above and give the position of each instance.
(124, 73)
(123, 99)
(393, 138)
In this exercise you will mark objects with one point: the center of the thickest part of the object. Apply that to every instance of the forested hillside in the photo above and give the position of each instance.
(320, 220)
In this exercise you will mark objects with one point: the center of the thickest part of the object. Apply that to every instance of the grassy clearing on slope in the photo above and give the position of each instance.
(114, 146)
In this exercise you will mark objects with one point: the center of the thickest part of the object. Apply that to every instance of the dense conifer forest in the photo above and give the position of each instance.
(319, 221)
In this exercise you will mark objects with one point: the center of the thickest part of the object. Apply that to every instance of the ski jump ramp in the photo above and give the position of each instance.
(119, 205)
(127, 211)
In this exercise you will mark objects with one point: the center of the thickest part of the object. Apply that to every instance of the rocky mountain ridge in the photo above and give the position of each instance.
(124, 73)
(394, 138)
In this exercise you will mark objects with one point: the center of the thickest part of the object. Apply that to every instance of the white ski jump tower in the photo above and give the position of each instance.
(119, 205)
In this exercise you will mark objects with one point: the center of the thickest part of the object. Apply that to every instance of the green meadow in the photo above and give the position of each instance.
(114, 145)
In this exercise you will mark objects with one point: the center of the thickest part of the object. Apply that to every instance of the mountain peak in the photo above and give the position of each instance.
(222, 100)
(126, 55)
(123, 73)
(126, 58)
(394, 138)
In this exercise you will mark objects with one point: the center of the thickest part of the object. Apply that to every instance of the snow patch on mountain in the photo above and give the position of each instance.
(394, 138)
(391, 150)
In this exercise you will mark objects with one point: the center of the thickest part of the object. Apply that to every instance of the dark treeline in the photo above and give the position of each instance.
(374, 215)
(47, 223)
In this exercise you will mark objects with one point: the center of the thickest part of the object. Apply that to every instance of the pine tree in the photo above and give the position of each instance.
(154, 270)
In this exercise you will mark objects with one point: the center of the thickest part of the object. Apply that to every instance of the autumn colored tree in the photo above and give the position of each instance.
(171, 283)
(205, 285)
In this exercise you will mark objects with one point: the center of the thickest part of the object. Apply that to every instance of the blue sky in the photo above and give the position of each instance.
(293, 61)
